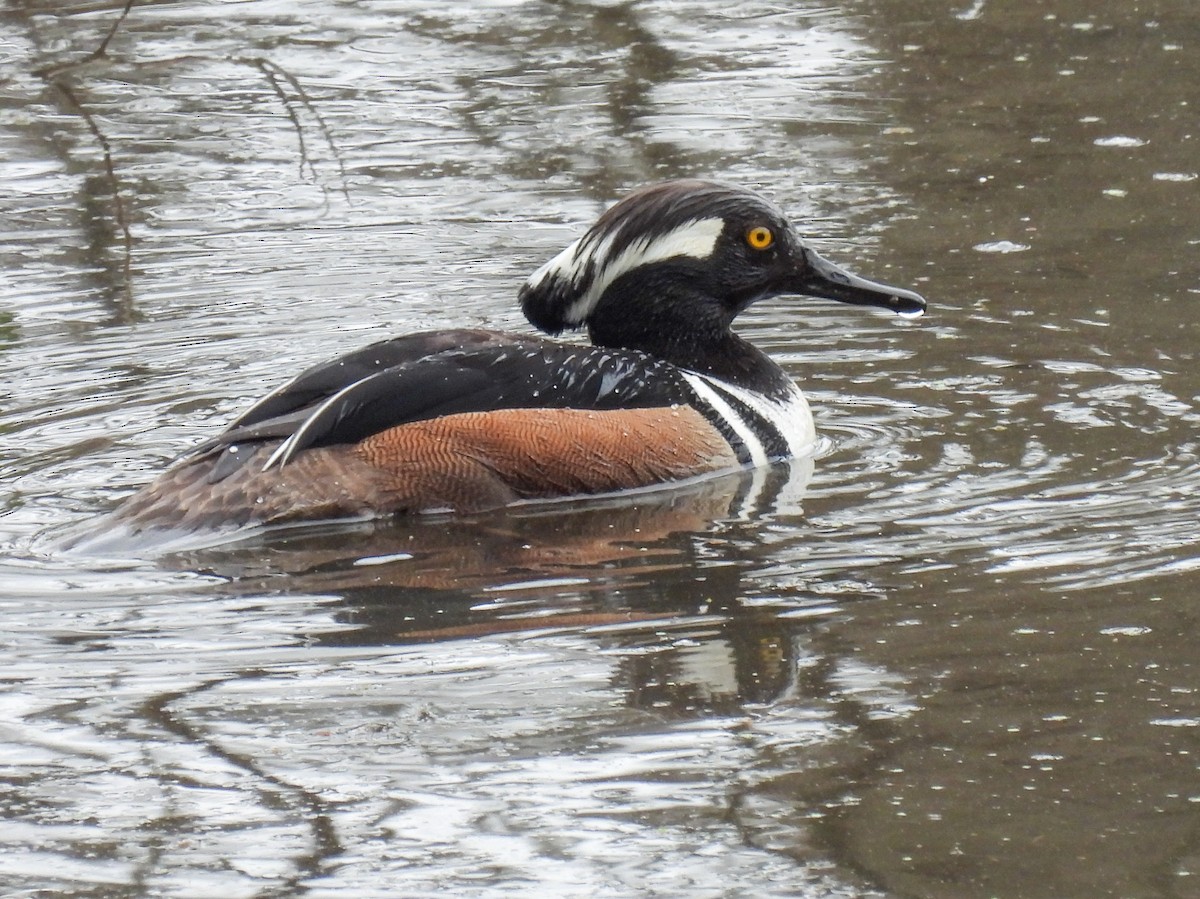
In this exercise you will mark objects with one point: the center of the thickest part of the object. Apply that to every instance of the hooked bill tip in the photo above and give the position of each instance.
(908, 304)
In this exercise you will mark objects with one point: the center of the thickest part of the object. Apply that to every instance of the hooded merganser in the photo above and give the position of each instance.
(466, 420)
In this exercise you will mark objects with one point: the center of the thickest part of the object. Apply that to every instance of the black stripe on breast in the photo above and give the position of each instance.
(773, 442)
(731, 436)
(718, 420)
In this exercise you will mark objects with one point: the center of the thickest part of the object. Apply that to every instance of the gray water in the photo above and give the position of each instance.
(952, 657)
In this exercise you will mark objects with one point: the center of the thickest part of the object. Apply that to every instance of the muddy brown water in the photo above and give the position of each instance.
(953, 656)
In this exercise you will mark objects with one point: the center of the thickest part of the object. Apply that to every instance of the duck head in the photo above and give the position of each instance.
(687, 254)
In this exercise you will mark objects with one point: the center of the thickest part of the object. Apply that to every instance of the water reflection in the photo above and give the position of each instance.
(657, 555)
(964, 667)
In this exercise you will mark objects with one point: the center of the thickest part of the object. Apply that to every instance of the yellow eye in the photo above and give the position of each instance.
(759, 237)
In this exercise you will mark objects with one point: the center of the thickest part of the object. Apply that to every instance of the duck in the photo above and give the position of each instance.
(467, 420)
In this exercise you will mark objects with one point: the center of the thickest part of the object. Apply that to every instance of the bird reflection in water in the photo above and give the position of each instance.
(656, 578)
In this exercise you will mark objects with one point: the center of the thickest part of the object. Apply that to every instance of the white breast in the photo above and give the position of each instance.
(788, 415)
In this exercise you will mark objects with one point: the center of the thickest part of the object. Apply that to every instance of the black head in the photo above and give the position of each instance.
(716, 245)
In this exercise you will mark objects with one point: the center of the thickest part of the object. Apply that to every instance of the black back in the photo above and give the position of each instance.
(424, 376)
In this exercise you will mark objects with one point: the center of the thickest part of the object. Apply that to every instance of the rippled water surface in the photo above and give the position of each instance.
(952, 656)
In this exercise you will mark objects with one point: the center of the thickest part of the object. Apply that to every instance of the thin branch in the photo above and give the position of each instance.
(273, 79)
(273, 71)
(52, 71)
(276, 76)
(110, 172)
(100, 51)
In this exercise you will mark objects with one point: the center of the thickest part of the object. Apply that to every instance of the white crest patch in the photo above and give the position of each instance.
(697, 239)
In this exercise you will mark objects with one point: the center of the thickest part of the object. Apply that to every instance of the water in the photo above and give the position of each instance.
(953, 657)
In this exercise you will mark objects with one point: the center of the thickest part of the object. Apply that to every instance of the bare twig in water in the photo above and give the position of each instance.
(110, 172)
(52, 75)
(273, 80)
(50, 72)
(103, 48)
(279, 79)
(275, 793)
(274, 72)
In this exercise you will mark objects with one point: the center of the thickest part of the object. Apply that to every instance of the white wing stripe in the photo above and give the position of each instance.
(284, 452)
